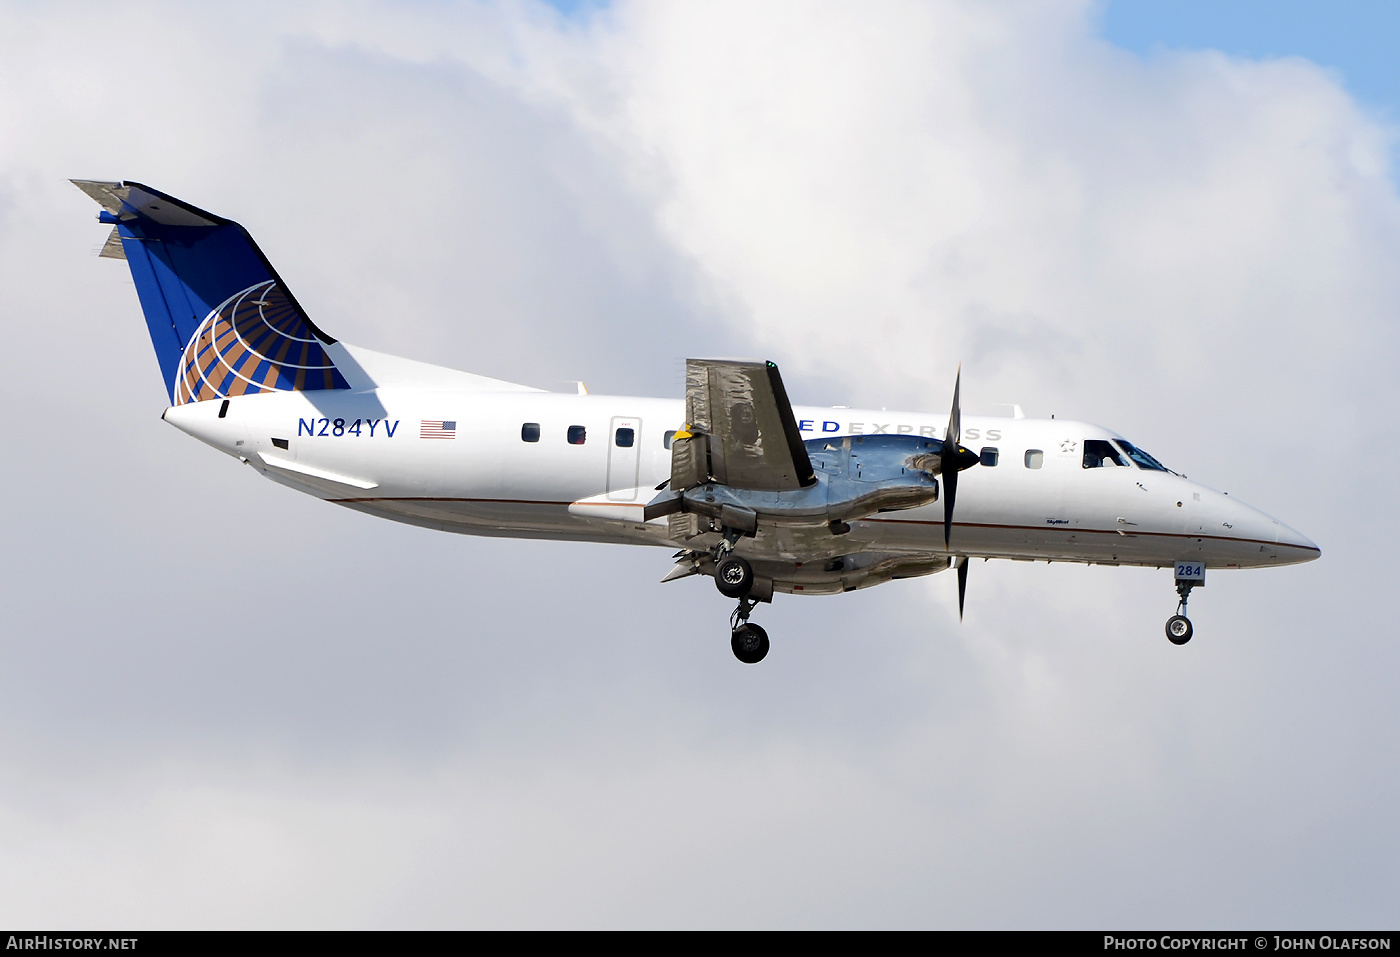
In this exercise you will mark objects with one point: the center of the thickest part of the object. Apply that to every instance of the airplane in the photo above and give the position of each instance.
(760, 495)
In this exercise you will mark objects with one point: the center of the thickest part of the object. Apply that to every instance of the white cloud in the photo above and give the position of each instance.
(218, 706)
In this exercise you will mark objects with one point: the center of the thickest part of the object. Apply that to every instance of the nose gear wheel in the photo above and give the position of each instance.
(1179, 629)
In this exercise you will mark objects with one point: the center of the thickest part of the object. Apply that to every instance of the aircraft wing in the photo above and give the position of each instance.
(750, 434)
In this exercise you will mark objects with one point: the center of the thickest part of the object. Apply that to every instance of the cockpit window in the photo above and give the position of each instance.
(1140, 457)
(1099, 453)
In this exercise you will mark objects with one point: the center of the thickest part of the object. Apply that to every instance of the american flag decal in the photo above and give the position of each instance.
(437, 429)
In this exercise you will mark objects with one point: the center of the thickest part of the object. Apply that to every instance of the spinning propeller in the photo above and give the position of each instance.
(954, 459)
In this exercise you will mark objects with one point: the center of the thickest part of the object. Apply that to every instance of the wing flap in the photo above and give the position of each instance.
(744, 411)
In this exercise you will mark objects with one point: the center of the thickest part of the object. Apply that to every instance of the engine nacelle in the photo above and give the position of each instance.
(856, 476)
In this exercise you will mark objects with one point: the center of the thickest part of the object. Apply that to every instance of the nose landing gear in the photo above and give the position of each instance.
(1189, 575)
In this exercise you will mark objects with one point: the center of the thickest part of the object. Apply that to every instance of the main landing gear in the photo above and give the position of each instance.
(734, 578)
(749, 642)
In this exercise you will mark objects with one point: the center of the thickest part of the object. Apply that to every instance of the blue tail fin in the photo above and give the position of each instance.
(222, 321)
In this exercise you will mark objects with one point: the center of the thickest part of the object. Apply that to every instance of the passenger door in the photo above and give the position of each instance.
(624, 458)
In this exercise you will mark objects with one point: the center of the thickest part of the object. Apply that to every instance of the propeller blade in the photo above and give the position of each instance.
(952, 460)
(950, 493)
(949, 463)
(962, 586)
(954, 431)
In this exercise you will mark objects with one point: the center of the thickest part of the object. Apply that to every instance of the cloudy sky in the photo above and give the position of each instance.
(226, 704)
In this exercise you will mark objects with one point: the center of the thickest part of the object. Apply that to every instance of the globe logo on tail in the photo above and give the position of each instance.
(256, 341)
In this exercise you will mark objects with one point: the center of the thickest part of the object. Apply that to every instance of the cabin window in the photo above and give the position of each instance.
(990, 456)
(281, 444)
(668, 437)
(1035, 458)
(577, 435)
(1099, 453)
(1140, 457)
(530, 432)
(624, 438)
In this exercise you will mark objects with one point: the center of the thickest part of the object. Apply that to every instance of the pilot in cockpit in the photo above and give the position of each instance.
(1099, 453)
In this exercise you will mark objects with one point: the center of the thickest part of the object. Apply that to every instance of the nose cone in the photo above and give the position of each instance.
(1268, 541)
(1296, 544)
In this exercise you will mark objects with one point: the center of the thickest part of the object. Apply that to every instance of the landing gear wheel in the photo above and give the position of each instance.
(1179, 629)
(734, 577)
(750, 643)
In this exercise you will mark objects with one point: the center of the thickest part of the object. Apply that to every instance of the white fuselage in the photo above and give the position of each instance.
(365, 449)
